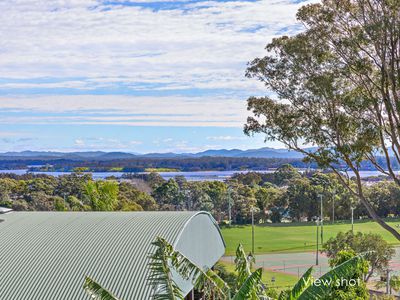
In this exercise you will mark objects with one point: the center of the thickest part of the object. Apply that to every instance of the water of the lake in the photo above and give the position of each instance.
(190, 176)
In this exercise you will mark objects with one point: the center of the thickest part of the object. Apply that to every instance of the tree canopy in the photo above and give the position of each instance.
(335, 87)
(378, 251)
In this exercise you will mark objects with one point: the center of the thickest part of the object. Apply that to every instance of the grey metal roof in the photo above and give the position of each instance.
(46, 255)
(4, 210)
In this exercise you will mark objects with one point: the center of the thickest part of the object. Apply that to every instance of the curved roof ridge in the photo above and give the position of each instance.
(195, 214)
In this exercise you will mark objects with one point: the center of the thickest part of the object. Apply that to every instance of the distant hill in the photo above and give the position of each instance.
(220, 160)
(260, 153)
(115, 155)
(52, 154)
(101, 155)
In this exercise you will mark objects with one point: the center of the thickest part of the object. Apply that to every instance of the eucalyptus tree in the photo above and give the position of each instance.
(336, 86)
(101, 195)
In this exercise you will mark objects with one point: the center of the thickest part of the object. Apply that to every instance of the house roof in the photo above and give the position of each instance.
(46, 255)
(4, 210)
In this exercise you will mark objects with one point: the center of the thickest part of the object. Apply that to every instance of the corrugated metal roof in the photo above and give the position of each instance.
(4, 210)
(46, 255)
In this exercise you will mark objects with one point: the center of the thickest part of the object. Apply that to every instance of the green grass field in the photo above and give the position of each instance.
(300, 237)
(285, 280)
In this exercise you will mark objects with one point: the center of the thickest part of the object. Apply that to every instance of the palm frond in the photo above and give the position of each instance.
(165, 259)
(160, 276)
(303, 283)
(205, 280)
(242, 265)
(345, 270)
(213, 286)
(284, 295)
(96, 291)
(249, 286)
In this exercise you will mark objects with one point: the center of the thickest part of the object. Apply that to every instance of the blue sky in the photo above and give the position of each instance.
(135, 76)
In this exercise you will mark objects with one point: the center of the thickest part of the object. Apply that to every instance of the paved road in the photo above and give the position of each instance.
(293, 263)
(298, 263)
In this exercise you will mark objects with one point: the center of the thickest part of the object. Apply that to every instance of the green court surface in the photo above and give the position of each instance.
(294, 237)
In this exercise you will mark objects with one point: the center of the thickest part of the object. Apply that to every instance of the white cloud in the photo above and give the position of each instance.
(79, 142)
(125, 110)
(186, 147)
(87, 45)
(225, 138)
(8, 134)
(181, 146)
(101, 143)
(206, 46)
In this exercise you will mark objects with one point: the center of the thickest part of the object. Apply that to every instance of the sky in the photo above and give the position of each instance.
(135, 76)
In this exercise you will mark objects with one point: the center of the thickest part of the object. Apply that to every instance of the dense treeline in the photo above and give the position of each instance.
(285, 194)
(141, 164)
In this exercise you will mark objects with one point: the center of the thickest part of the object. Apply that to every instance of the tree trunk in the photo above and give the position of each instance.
(378, 219)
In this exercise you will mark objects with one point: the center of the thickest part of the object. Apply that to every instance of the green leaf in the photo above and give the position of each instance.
(345, 270)
(242, 265)
(160, 273)
(165, 259)
(206, 280)
(250, 285)
(96, 291)
(304, 282)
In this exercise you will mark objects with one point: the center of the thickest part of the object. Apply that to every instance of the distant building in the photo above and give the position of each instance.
(46, 255)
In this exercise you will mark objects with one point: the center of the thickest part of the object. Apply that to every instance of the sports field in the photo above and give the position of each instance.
(294, 237)
(276, 279)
